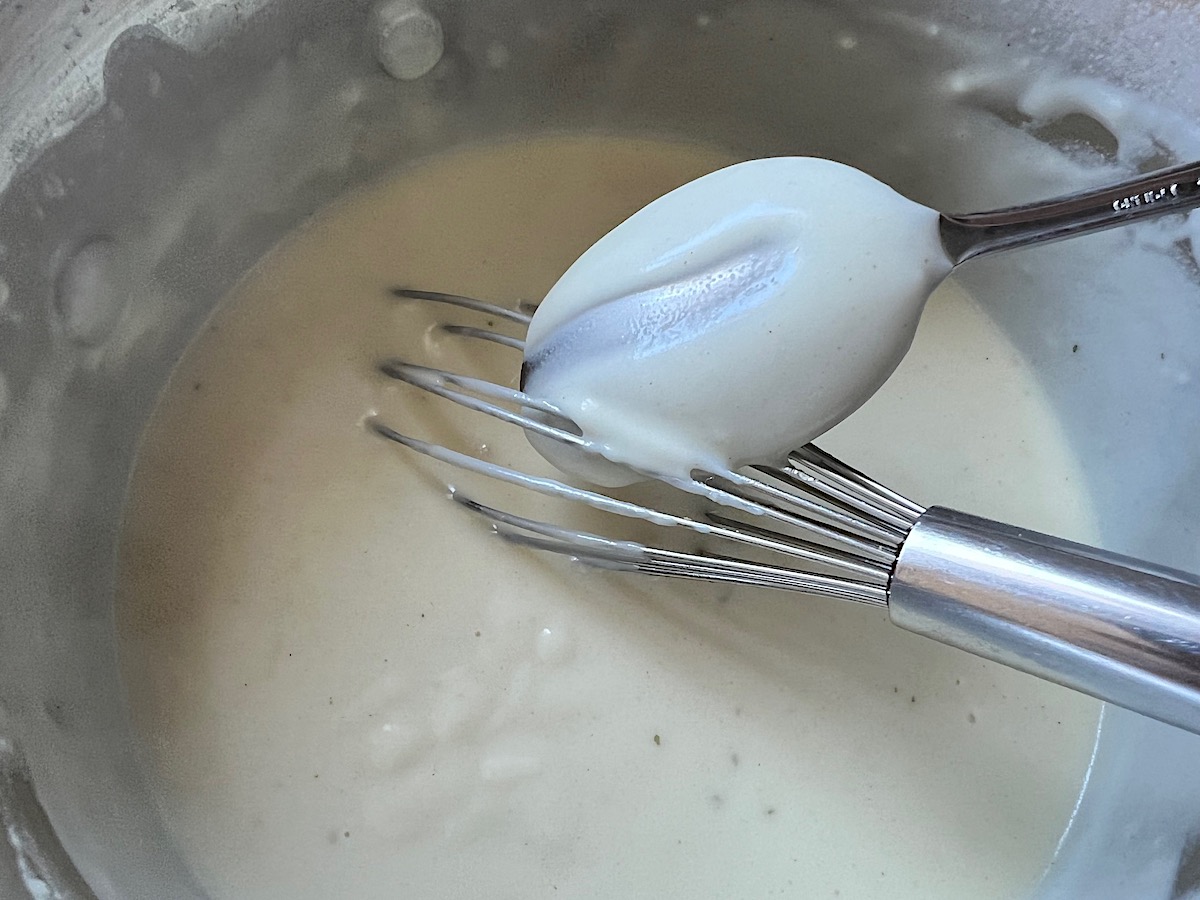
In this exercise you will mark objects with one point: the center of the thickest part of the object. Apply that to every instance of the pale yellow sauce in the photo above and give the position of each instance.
(348, 687)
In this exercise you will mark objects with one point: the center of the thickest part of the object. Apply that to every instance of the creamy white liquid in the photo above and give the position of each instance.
(348, 687)
(734, 319)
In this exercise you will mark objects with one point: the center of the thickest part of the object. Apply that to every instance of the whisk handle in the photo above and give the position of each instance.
(1114, 627)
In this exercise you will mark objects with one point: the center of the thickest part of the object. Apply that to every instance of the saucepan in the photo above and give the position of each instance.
(152, 150)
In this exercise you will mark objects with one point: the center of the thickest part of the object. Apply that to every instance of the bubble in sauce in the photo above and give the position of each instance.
(89, 293)
(554, 646)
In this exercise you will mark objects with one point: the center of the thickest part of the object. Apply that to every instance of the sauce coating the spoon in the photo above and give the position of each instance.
(733, 319)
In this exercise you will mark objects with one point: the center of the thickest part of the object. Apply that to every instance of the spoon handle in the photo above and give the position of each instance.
(1168, 190)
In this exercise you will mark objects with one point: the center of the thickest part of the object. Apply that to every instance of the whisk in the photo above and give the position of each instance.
(1120, 629)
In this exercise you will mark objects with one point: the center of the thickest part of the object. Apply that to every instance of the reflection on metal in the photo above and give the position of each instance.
(31, 847)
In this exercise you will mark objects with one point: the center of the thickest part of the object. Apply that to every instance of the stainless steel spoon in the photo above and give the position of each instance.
(1166, 191)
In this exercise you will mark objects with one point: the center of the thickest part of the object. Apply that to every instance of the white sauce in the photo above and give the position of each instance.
(348, 687)
(736, 318)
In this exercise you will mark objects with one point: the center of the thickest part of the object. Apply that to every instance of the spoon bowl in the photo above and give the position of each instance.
(751, 310)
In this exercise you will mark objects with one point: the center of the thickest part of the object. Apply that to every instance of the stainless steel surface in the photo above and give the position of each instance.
(1174, 190)
(1117, 628)
(176, 140)
(32, 856)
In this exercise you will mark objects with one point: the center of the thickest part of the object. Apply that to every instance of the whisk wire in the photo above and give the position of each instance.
(483, 334)
(853, 533)
(727, 529)
(445, 384)
(633, 556)
(522, 316)
(850, 498)
(821, 512)
(845, 526)
(829, 466)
